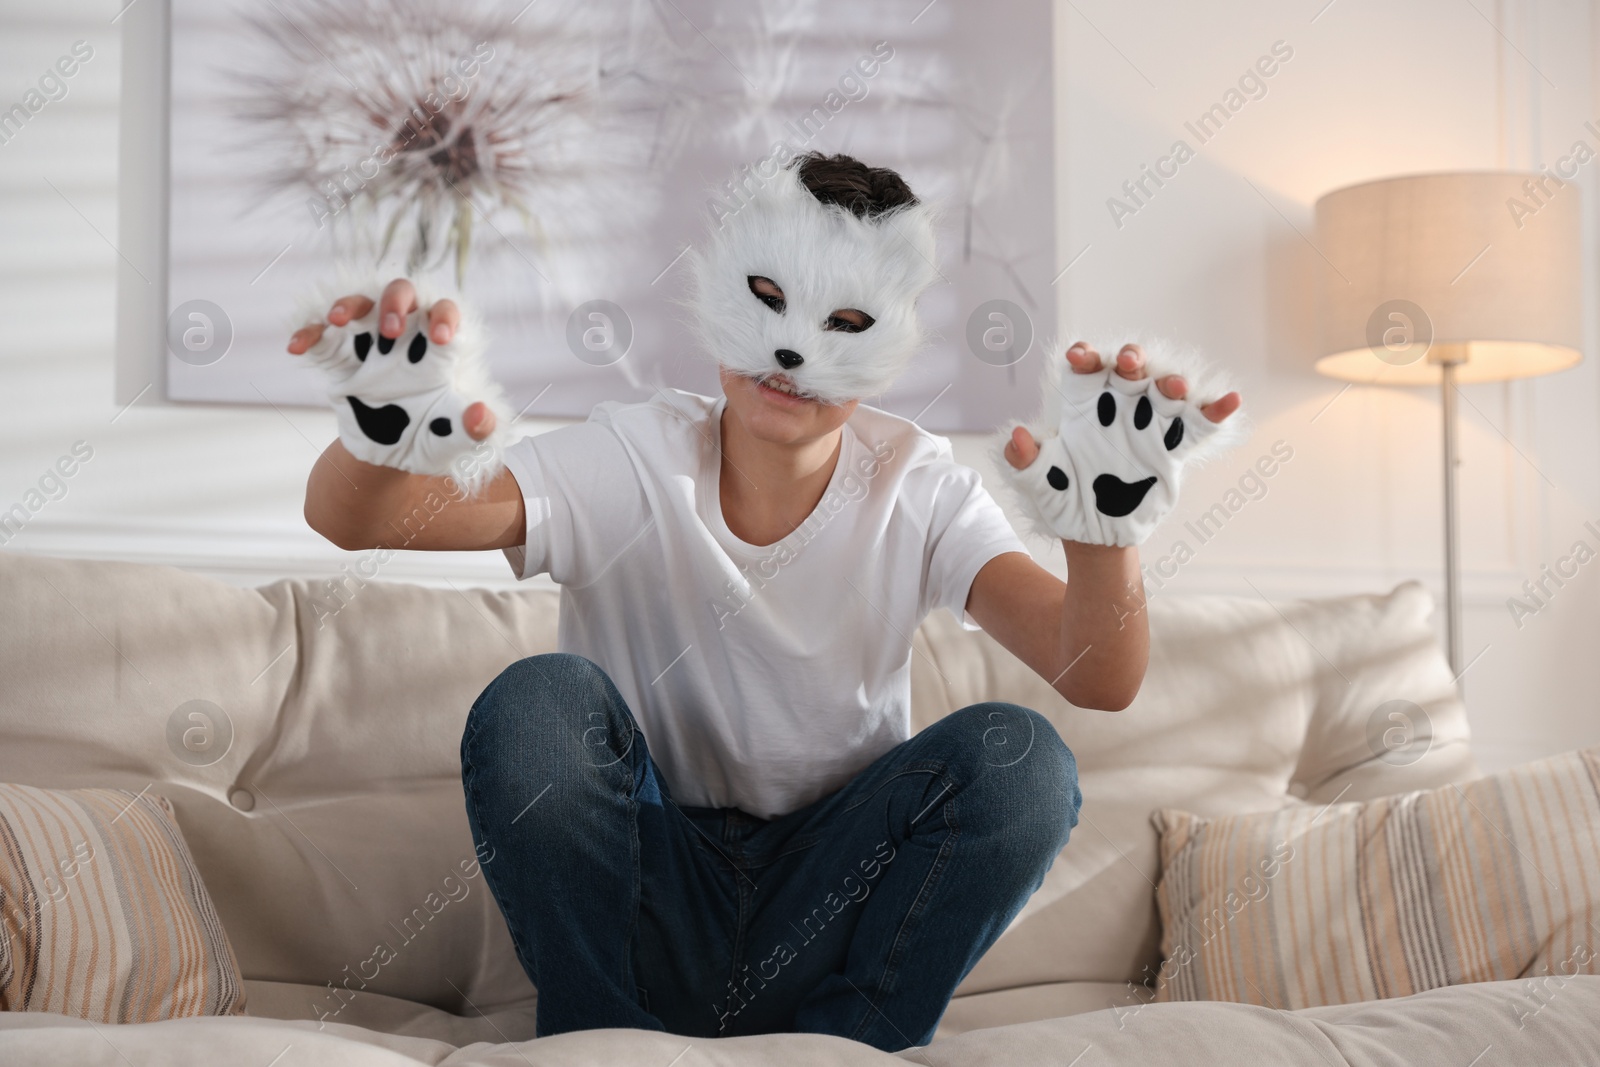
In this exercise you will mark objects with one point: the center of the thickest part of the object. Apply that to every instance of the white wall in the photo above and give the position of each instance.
(1221, 256)
(1370, 91)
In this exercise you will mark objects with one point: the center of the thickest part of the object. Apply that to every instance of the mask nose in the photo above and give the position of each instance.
(788, 358)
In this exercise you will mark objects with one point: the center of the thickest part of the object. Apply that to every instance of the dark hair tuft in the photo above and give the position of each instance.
(864, 191)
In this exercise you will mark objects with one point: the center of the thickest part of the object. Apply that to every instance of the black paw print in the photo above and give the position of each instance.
(387, 424)
(1113, 496)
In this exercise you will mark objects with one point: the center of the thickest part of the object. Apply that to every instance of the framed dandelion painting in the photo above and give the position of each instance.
(550, 162)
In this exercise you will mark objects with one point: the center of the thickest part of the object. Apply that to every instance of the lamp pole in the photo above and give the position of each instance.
(1452, 539)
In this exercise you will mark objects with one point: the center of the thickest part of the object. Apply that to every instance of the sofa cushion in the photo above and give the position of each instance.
(1336, 904)
(1247, 706)
(327, 818)
(102, 913)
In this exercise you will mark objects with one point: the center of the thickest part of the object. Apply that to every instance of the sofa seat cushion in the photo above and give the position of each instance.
(1026, 1004)
(1462, 1026)
(1445, 1026)
(391, 1015)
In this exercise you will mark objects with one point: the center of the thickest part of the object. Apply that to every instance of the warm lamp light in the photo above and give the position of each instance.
(1447, 279)
(1475, 361)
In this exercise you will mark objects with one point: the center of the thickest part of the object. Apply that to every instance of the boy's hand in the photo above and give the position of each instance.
(1114, 445)
(1022, 448)
(410, 389)
(399, 300)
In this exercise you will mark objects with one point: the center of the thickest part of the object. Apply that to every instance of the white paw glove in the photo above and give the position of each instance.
(399, 401)
(1112, 450)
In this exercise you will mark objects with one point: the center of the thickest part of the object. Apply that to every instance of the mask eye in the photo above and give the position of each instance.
(767, 291)
(848, 320)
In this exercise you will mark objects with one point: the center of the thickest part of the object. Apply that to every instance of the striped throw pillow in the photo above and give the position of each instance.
(102, 912)
(1495, 879)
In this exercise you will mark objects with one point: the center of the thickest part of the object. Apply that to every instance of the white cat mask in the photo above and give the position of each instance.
(825, 259)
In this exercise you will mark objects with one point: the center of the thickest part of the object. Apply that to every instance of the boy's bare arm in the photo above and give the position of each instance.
(1088, 636)
(359, 505)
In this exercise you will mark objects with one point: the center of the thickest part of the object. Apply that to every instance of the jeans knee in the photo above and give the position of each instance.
(1056, 777)
(1030, 774)
(547, 710)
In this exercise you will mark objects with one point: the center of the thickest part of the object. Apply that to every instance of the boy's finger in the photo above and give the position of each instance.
(399, 300)
(1082, 358)
(1222, 407)
(478, 420)
(1130, 362)
(1173, 387)
(347, 308)
(1021, 450)
(303, 338)
(444, 318)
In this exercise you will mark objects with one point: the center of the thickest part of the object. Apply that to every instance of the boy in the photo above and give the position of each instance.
(707, 810)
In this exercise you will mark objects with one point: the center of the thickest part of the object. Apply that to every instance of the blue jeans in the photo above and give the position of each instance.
(857, 915)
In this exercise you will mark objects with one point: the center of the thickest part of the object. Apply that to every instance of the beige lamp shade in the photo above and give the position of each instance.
(1481, 269)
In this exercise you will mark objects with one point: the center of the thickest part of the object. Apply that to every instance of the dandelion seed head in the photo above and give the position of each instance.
(405, 126)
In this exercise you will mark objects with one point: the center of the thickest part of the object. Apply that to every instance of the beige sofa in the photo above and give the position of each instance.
(334, 820)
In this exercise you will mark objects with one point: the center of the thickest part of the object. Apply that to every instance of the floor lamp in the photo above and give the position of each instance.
(1446, 279)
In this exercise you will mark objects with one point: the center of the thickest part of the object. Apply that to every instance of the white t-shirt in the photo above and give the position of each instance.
(763, 677)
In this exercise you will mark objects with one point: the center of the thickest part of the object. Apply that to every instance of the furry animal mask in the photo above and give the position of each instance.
(825, 259)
